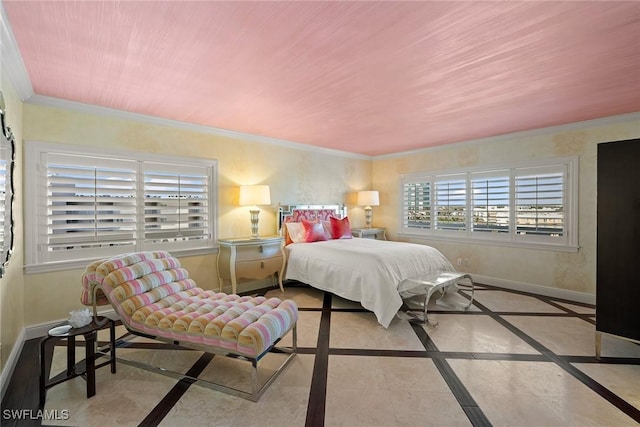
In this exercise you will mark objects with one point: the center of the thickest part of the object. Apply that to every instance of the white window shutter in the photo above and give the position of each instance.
(450, 202)
(91, 206)
(417, 205)
(490, 202)
(540, 201)
(176, 204)
(89, 203)
(533, 204)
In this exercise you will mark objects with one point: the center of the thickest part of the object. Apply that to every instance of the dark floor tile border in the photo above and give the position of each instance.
(587, 317)
(510, 313)
(604, 392)
(595, 386)
(602, 360)
(460, 392)
(377, 352)
(509, 357)
(167, 403)
(350, 310)
(318, 392)
(544, 298)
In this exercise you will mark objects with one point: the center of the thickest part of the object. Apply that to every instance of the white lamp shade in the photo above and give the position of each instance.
(254, 195)
(368, 198)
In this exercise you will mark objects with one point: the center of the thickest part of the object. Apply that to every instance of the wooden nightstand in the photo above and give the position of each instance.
(251, 259)
(370, 233)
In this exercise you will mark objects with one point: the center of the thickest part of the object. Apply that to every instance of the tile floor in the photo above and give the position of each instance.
(512, 359)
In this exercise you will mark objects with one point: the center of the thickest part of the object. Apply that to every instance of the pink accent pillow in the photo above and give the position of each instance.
(327, 229)
(295, 231)
(313, 231)
(340, 228)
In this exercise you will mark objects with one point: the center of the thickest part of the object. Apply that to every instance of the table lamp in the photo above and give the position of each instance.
(368, 199)
(254, 195)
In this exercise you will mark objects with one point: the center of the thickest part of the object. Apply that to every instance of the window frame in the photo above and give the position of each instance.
(36, 196)
(566, 243)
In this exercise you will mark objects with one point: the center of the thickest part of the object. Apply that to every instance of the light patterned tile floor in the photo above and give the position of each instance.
(512, 359)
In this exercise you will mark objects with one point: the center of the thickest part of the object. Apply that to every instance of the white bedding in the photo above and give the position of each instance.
(364, 270)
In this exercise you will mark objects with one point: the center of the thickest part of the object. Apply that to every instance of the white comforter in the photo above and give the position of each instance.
(364, 270)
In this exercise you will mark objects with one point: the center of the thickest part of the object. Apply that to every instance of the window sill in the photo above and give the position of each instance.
(503, 243)
(77, 264)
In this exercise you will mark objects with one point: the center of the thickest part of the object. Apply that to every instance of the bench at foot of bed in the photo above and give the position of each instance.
(155, 298)
(423, 287)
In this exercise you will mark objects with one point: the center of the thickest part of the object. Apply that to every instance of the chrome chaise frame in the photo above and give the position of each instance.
(256, 390)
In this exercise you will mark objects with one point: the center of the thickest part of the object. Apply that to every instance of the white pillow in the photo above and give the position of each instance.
(296, 232)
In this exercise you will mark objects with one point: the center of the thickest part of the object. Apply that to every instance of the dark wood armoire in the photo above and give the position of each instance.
(618, 247)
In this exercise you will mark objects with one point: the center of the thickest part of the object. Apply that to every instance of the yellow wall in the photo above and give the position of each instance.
(294, 175)
(567, 271)
(12, 316)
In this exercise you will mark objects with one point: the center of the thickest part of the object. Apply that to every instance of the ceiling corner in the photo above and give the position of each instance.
(11, 62)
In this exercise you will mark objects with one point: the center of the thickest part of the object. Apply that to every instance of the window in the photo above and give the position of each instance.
(417, 202)
(176, 205)
(450, 203)
(90, 205)
(491, 205)
(540, 202)
(529, 204)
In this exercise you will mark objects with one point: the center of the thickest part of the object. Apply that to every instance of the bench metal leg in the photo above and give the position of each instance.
(255, 391)
(446, 282)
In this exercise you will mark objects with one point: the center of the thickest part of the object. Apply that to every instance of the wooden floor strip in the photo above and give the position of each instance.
(318, 392)
(161, 410)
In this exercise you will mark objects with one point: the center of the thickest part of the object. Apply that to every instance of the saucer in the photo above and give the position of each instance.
(60, 330)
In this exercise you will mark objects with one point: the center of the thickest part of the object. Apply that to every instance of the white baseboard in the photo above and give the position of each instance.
(12, 361)
(37, 331)
(566, 294)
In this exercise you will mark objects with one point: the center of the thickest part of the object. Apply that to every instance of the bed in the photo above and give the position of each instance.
(364, 270)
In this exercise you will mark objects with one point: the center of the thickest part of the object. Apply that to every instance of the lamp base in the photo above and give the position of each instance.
(368, 212)
(254, 223)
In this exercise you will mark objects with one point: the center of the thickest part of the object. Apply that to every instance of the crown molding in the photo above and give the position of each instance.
(604, 121)
(12, 63)
(143, 118)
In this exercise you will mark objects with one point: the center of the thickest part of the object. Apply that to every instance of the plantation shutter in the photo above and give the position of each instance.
(539, 193)
(450, 202)
(417, 205)
(91, 206)
(490, 202)
(176, 204)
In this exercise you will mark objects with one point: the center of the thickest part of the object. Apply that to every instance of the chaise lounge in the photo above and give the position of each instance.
(155, 298)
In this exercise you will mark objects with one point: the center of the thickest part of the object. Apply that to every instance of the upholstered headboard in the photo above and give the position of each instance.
(296, 213)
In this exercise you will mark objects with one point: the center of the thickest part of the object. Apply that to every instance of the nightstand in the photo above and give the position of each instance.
(370, 233)
(251, 259)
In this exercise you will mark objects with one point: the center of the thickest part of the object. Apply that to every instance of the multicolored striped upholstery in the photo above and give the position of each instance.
(88, 277)
(153, 294)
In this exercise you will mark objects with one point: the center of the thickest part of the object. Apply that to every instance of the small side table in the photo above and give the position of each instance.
(377, 233)
(90, 333)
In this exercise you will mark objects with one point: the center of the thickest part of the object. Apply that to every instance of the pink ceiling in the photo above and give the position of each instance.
(365, 77)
